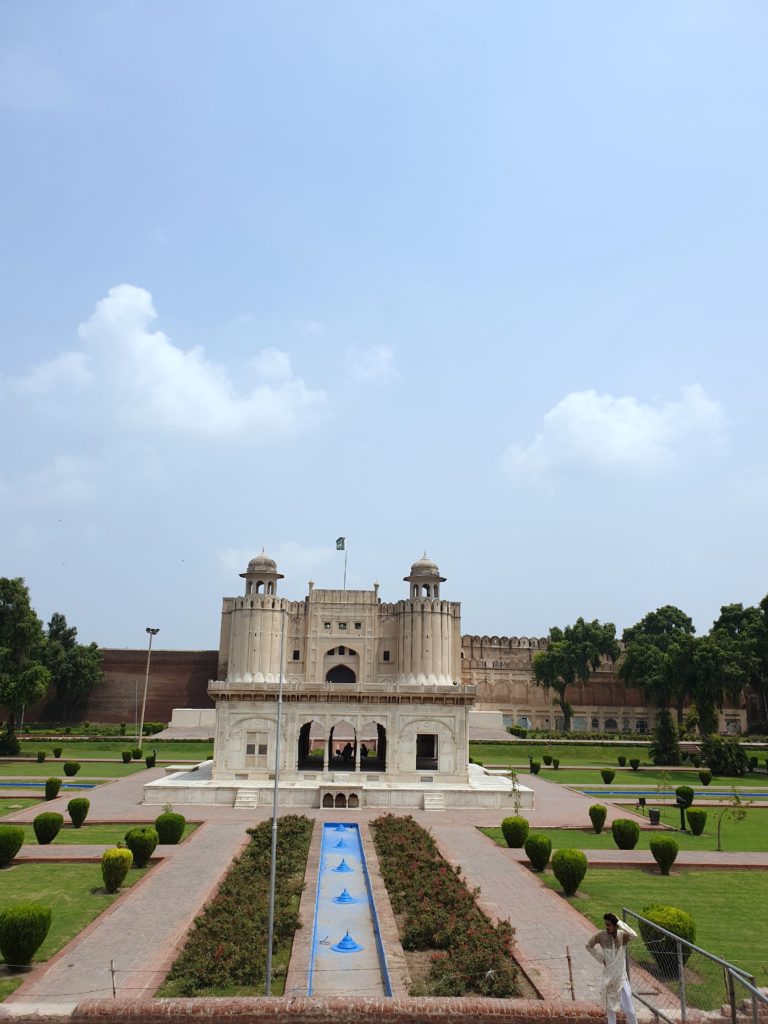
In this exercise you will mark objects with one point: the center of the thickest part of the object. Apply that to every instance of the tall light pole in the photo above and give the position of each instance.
(152, 632)
(275, 797)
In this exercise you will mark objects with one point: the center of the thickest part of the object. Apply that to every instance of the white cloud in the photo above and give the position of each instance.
(591, 429)
(374, 363)
(152, 385)
(69, 370)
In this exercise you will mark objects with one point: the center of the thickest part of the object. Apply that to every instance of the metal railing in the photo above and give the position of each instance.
(681, 982)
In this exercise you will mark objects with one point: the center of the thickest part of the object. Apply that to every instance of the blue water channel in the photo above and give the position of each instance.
(347, 952)
(655, 794)
(41, 785)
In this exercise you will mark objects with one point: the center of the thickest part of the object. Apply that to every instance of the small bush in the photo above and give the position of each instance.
(57, 751)
(535, 767)
(126, 756)
(141, 842)
(71, 767)
(515, 831)
(149, 760)
(23, 929)
(608, 775)
(625, 833)
(597, 815)
(115, 865)
(47, 826)
(538, 847)
(555, 763)
(41, 756)
(695, 760)
(517, 730)
(137, 753)
(664, 850)
(170, 828)
(77, 809)
(622, 761)
(122, 728)
(685, 793)
(569, 867)
(752, 763)
(662, 948)
(705, 776)
(547, 759)
(52, 787)
(11, 841)
(634, 763)
(697, 819)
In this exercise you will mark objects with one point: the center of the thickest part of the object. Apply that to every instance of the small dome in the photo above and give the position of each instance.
(262, 563)
(424, 567)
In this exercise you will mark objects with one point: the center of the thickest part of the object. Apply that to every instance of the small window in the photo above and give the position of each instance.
(386, 655)
(326, 625)
(342, 625)
(358, 625)
(262, 750)
(595, 724)
(296, 655)
(250, 749)
(342, 651)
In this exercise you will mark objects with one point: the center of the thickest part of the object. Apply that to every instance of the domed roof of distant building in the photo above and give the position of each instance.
(262, 563)
(424, 567)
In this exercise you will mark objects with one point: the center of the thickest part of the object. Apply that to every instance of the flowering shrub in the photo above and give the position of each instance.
(437, 910)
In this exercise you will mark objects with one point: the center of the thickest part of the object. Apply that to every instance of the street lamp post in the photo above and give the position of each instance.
(152, 632)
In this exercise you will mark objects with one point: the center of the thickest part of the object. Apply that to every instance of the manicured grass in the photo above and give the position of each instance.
(74, 750)
(723, 904)
(111, 833)
(748, 835)
(9, 805)
(649, 777)
(517, 754)
(55, 769)
(74, 892)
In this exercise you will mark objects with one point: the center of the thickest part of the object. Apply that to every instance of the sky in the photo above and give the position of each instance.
(481, 279)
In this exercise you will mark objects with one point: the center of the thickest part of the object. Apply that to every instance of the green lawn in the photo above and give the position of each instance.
(9, 805)
(649, 777)
(748, 835)
(727, 907)
(74, 892)
(55, 769)
(102, 833)
(517, 754)
(73, 750)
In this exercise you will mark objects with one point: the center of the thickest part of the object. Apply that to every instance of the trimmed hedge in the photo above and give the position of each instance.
(137, 753)
(11, 841)
(660, 946)
(170, 827)
(41, 756)
(47, 826)
(538, 847)
(52, 787)
(142, 842)
(705, 776)
(555, 763)
(115, 865)
(697, 819)
(149, 760)
(634, 763)
(597, 815)
(126, 756)
(685, 793)
(608, 775)
(625, 833)
(547, 759)
(71, 767)
(664, 850)
(77, 810)
(569, 868)
(23, 929)
(515, 831)
(57, 751)
(622, 760)
(535, 767)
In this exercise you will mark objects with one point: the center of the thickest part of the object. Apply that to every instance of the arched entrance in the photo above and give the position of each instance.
(310, 748)
(341, 674)
(342, 743)
(373, 747)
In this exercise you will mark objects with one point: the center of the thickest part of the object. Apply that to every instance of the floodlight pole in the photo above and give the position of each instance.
(152, 632)
(273, 859)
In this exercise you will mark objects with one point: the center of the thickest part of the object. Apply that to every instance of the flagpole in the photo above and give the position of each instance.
(345, 563)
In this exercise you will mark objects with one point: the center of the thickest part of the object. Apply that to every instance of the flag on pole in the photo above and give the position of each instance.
(341, 543)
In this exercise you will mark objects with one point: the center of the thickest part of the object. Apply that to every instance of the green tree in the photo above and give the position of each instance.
(659, 658)
(24, 677)
(734, 811)
(571, 656)
(745, 632)
(75, 668)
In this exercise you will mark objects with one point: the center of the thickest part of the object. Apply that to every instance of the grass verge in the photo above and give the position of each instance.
(110, 833)
(55, 769)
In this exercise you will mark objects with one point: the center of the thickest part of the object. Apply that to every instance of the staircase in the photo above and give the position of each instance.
(434, 802)
(246, 798)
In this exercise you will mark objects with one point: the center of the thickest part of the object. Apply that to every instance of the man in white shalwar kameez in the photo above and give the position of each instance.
(609, 947)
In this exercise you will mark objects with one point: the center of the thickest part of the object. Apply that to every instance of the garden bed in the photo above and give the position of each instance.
(458, 950)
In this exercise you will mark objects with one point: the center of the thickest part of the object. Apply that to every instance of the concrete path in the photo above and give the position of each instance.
(141, 933)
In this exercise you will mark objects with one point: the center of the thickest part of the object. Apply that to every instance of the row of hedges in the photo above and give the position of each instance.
(437, 911)
(227, 945)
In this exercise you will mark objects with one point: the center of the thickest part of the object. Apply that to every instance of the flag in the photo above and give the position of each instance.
(340, 543)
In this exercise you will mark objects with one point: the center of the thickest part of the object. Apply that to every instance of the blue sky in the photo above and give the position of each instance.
(481, 279)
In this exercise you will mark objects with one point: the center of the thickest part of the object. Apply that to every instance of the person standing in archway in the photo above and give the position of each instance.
(609, 948)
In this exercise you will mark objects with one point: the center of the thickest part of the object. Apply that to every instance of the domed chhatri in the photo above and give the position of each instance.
(262, 563)
(425, 578)
(261, 576)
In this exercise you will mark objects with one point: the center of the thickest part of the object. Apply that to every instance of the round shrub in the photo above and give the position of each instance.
(136, 753)
(664, 949)
(622, 761)
(752, 763)
(569, 867)
(515, 831)
(664, 850)
(11, 841)
(23, 928)
(695, 760)
(47, 826)
(537, 849)
(149, 761)
(555, 763)
(597, 815)
(705, 776)
(71, 767)
(608, 775)
(685, 793)
(141, 842)
(535, 767)
(170, 827)
(547, 759)
(126, 756)
(57, 751)
(625, 833)
(697, 819)
(77, 810)
(41, 756)
(634, 763)
(115, 865)
(52, 787)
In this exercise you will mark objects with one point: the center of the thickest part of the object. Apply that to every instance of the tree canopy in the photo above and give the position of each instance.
(572, 655)
(75, 668)
(24, 677)
(659, 657)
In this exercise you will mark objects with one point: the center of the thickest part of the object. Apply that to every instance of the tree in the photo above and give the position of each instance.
(75, 668)
(24, 677)
(734, 811)
(659, 657)
(745, 632)
(572, 655)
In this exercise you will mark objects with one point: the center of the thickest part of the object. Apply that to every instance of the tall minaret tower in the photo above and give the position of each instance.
(430, 629)
(255, 622)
